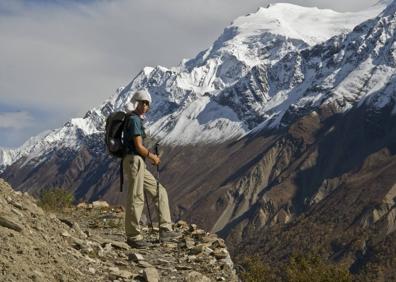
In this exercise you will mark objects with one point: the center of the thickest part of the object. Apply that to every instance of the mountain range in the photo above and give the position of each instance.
(282, 130)
(197, 94)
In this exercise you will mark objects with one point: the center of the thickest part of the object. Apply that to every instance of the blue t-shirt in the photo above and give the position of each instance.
(134, 127)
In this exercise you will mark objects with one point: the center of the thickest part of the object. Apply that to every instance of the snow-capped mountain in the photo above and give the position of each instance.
(347, 70)
(226, 90)
(7, 156)
(33, 144)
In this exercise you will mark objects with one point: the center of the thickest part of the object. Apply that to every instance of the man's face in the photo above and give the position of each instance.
(143, 107)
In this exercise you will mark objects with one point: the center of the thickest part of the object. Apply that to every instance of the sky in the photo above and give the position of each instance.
(59, 58)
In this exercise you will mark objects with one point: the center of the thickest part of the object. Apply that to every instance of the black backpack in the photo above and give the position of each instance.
(115, 125)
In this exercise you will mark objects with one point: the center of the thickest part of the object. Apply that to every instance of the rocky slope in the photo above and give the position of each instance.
(87, 244)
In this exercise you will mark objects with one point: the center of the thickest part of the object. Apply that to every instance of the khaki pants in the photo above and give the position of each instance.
(140, 178)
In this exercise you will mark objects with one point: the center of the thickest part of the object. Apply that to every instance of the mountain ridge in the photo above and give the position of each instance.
(197, 81)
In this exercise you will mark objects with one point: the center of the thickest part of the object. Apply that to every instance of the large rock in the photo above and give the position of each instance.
(151, 274)
(195, 276)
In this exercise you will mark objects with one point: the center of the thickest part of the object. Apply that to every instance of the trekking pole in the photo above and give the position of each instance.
(148, 209)
(158, 192)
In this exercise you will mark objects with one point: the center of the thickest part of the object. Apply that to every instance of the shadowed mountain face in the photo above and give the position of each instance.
(336, 196)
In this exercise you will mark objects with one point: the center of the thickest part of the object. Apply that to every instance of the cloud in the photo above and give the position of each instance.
(68, 56)
(15, 120)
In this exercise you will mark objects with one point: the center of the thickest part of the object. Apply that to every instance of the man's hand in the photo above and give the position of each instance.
(155, 160)
(143, 151)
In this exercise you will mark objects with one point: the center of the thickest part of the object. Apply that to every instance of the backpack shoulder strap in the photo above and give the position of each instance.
(127, 116)
(121, 173)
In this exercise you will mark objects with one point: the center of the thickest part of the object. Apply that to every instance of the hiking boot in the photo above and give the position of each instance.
(138, 244)
(167, 235)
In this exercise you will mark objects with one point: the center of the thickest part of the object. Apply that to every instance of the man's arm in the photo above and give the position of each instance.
(143, 151)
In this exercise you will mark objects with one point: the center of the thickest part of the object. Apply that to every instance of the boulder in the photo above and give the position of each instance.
(100, 205)
(151, 275)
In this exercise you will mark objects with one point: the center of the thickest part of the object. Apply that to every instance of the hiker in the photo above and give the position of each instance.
(139, 178)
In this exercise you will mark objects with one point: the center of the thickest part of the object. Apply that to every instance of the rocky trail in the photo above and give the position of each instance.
(87, 243)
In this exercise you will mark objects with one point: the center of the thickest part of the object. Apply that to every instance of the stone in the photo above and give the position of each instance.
(207, 250)
(170, 245)
(151, 275)
(182, 225)
(226, 262)
(197, 249)
(67, 222)
(81, 233)
(117, 273)
(121, 263)
(18, 213)
(10, 224)
(163, 261)
(198, 234)
(136, 257)
(18, 205)
(123, 256)
(100, 205)
(144, 264)
(78, 243)
(113, 269)
(212, 261)
(188, 243)
(183, 267)
(218, 243)
(37, 275)
(119, 209)
(118, 245)
(220, 253)
(209, 238)
(195, 276)
(65, 234)
(82, 205)
(107, 247)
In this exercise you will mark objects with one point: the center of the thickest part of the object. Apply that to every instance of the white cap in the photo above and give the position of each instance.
(140, 95)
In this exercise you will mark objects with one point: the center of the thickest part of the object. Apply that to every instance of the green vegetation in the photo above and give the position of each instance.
(299, 268)
(314, 268)
(255, 270)
(56, 199)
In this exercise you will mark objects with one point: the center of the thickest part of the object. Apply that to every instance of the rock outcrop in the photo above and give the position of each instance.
(87, 244)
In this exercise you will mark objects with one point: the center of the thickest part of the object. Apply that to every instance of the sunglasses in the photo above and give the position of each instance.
(147, 103)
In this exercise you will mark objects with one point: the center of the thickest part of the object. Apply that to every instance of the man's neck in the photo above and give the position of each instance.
(141, 115)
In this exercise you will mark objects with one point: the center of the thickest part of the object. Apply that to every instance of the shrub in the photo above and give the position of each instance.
(56, 199)
(314, 268)
(300, 268)
(255, 270)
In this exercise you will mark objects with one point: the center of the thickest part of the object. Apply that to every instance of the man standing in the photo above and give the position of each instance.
(140, 179)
